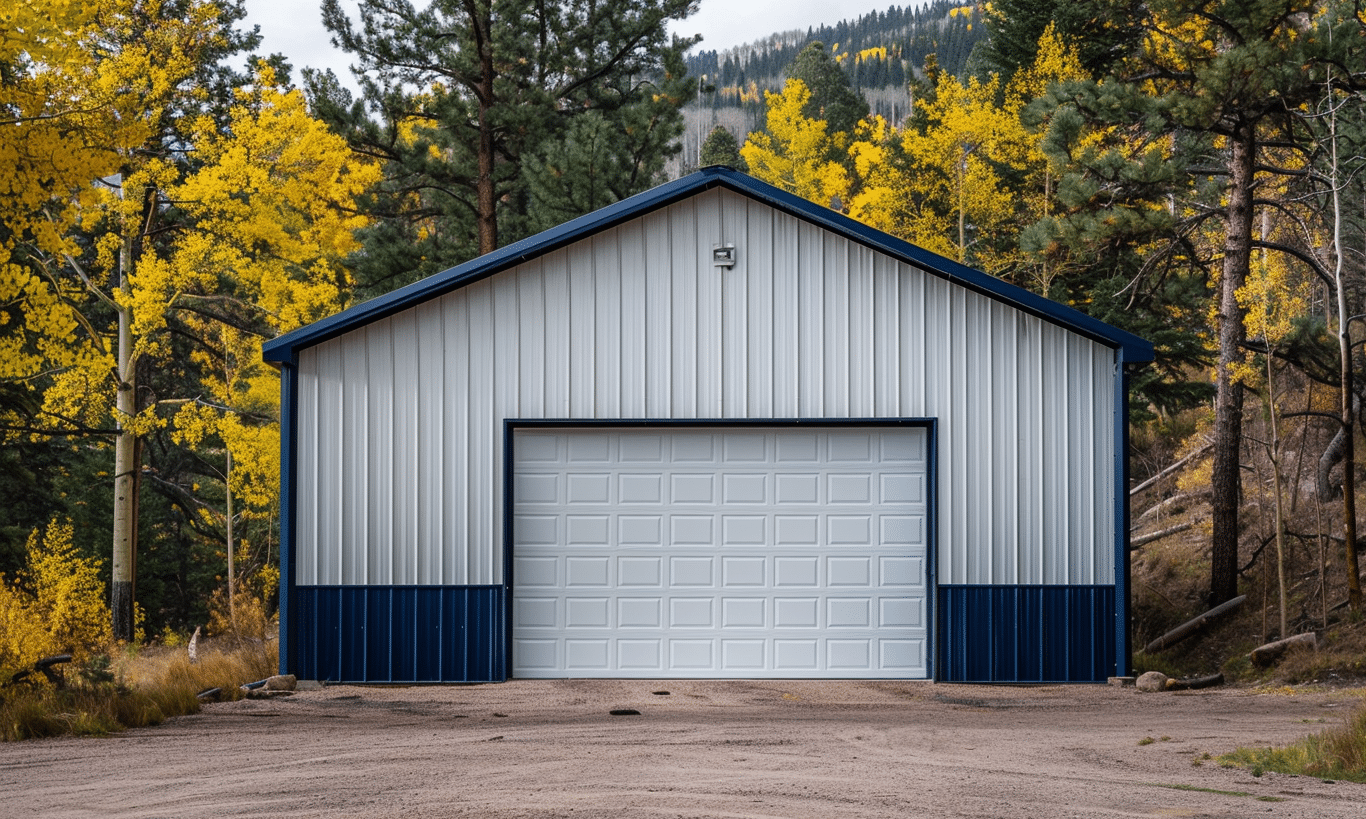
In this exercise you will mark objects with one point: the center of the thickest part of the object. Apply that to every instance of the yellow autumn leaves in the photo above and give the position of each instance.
(938, 181)
(57, 605)
(137, 187)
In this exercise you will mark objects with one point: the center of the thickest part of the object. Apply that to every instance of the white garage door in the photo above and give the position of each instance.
(720, 552)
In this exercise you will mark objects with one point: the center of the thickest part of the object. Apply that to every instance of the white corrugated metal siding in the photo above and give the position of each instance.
(400, 422)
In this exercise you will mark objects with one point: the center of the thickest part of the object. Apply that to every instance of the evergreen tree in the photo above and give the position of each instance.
(474, 106)
(1104, 32)
(833, 97)
(1162, 166)
(720, 148)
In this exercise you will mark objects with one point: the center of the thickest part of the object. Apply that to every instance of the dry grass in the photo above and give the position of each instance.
(145, 685)
(1338, 753)
(1341, 656)
(145, 688)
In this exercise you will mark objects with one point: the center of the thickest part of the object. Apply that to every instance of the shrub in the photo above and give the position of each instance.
(56, 604)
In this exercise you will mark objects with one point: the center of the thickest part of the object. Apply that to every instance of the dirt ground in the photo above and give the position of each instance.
(703, 749)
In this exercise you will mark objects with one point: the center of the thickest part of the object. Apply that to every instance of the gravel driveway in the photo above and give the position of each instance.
(695, 749)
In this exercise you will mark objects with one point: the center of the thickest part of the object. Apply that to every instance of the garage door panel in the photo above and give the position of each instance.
(779, 552)
(796, 572)
(743, 572)
(901, 488)
(848, 612)
(641, 655)
(744, 655)
(538, 489)
(587, 612)
(692, 488)
(587, 488)
(847, 572)
(640, 530)
(639, 572)
(902, 612)
(744, 613)
(640, 612)
(535, 612)
(534, 572)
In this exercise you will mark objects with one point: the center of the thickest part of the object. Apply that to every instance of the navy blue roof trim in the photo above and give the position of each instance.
(286, 347)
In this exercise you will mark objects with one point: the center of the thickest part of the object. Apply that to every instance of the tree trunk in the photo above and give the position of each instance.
(125, 467)
(485, 196)
(1228, 401)
(1191, 627)
(232, 545)
(1349, 490)
(1274, 456)
(1268, 654)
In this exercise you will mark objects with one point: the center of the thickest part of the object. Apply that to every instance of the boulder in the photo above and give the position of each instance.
(281, 682)
(1152, 681)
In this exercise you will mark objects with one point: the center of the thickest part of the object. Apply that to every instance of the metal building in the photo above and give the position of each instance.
(713, 430)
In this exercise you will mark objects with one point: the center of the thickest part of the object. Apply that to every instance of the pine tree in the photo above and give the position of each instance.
(474, 107)
(1163, 165)
(833, 97)
(1104, 31)
(720, 148)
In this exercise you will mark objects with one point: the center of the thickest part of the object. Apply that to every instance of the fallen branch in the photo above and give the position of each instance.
(1169, 470)
(45, 667)
(1136, 543)
(1194, 683)
(1174, 500)
(1195, 626)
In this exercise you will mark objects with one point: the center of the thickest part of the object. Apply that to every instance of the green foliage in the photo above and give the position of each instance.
(833, 98)
(497, 120)
(1104, 31)
(720, 148)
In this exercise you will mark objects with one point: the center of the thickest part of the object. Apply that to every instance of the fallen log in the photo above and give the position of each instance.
(53, 675)
(1194, 683)
(1195, 626)
(1169, 470)
(45, 667)
(1269, 654)
(1174, 502)
(1136, 543)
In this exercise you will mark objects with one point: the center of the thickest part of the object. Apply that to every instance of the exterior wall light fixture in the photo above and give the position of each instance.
(723, 256)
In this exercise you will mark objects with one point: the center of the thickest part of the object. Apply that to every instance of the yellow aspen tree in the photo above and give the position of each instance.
(793, 153)
(958, 199)
(103, 95)
(879, 181)
(53, 112)
(1274, 296)
(273, 219)
(55, 605)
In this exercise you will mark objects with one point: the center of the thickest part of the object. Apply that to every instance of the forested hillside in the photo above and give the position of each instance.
(880, 52)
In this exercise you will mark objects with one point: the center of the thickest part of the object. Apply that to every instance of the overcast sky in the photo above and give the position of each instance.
(294, 27)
